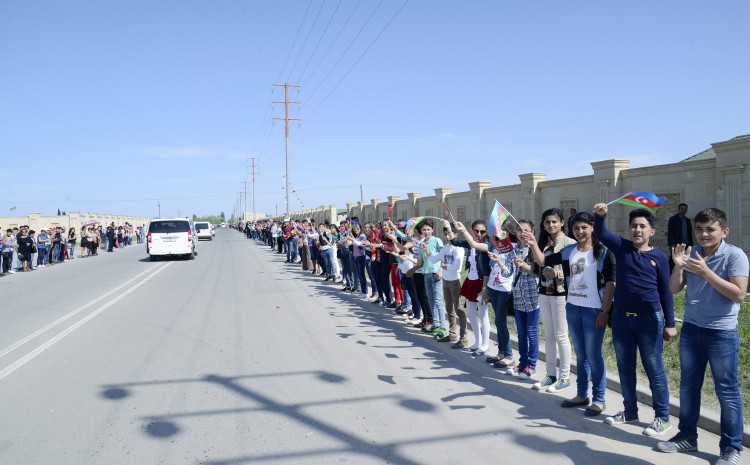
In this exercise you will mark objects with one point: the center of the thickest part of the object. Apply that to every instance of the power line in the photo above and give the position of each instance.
(347, 49)
(319, 41)
(304, 43)
(357, 60)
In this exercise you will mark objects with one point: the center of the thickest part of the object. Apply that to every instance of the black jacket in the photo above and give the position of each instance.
(483, 260)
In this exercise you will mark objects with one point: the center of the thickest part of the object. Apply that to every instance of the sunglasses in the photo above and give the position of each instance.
(480, 231)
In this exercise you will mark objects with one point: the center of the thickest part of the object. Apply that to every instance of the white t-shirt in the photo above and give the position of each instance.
(582, 290)
(452, 257)
(502, 279)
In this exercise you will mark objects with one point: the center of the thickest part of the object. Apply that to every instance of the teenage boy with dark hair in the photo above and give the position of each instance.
(716, 275)
(641, 295)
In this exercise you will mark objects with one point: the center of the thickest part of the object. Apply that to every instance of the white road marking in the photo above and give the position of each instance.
(75, 312)
(31, 355)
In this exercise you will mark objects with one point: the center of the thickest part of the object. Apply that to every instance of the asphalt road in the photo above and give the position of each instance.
(238, 358)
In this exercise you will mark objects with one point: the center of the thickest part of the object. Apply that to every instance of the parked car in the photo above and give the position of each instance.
(204, 230)
(171, 236)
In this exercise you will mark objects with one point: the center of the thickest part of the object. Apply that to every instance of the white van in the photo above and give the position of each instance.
(171, 236)
(204, 230)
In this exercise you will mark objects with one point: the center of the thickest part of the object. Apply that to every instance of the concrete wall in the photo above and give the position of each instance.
(36, 221)
(723, 182)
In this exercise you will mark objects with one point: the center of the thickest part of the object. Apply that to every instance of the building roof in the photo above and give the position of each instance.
(709, 154)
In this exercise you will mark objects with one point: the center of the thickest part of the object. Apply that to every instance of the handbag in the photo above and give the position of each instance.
(509, 308)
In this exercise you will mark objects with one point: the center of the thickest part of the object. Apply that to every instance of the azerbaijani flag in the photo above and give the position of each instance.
(647, 200)
(353, 224)
(400, 234)
(411, 223)
(497, 218)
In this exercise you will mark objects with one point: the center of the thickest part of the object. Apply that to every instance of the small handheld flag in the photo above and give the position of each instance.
(647, 200)
(500, 238)
(411, 223)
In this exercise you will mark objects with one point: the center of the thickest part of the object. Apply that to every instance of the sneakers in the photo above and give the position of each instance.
(361, 296)
(446, 338)
(620, 418)
(657, 427)
(544, 384)
(504, 362)
(561, 385)
(526, 373)
(729, 456)
(439, 333)
(513, 371)
(679, 443)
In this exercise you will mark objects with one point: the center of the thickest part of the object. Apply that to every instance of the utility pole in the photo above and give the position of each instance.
(158, 204)
(253, 173)
(245, 209)
(286, 119)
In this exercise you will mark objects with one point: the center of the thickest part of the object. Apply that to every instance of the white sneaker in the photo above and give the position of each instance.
(12, 271)
(362, 296)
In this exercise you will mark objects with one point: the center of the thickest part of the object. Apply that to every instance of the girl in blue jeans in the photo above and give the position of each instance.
(526, 307)
(588, 268)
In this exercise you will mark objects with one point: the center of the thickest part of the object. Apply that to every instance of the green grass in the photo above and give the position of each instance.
(671, 358)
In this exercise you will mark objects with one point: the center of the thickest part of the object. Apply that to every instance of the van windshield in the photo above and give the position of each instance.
(166, 227)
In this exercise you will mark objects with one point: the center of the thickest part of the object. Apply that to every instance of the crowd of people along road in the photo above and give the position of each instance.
(577, 283)
(25, 250)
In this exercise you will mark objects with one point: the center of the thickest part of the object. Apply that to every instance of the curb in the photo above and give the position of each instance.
(709, 420)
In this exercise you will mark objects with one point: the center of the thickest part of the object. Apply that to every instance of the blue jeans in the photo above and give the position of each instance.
(642, 333)
(498, 299)
(353, 269)
(383, 275)
(361, 265)
(289, 248)
(329, 255)
(346, 269)
(720, 348)
(527, 325)
(434, 290)
(42, 256)
(587, 342)
(371, 275)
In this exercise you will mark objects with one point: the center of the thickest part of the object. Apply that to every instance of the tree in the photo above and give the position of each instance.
(222, 216)
(58, 212)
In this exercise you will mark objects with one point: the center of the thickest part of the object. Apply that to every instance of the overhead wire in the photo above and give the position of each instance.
(315, 50)
(264, 127)
(357, 60)
(304, 44)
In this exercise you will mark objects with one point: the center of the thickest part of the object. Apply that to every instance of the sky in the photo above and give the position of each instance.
(148, 108)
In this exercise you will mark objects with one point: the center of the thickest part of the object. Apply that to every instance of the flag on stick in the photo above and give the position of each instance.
(500, 239)
(390, 211)
(647, 200)
(411, 223)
